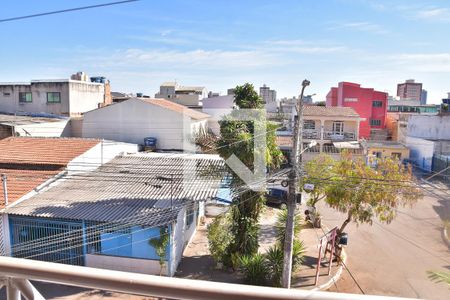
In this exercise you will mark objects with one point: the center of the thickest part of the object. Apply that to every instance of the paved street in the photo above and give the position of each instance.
(393, 259)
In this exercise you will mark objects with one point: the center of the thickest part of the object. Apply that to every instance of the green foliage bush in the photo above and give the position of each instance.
(254, 268)
(220, 238)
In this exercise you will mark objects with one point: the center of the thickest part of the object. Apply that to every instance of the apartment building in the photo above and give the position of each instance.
(65, 97)
(371, 106)
(410, 89)
(184, 95)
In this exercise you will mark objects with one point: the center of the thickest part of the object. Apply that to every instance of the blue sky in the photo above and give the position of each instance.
(220, 44)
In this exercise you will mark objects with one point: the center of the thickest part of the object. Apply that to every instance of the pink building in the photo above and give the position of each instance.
(371, 105)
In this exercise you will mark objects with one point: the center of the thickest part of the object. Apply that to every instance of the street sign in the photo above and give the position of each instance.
(308, 186)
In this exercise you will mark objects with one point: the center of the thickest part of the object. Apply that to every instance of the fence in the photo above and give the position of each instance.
(441, 163)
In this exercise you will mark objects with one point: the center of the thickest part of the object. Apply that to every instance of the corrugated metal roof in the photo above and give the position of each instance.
(136, 188)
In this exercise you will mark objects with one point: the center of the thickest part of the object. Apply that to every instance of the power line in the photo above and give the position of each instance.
(65, 10)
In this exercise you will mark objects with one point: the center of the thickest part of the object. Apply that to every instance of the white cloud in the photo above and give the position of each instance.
(360, 26)
(424, 62)
(440, 14)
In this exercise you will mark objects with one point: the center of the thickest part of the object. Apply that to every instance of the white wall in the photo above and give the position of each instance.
(126, 264)
(76, 97)
(100, 154)
(177, 242)
(421, 152)
(433, 127)
(132, 120)
(85, 96)
(48, 129)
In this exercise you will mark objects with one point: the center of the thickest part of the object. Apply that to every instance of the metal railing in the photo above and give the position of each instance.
(339, 136)
(17, 272)
(311, 134)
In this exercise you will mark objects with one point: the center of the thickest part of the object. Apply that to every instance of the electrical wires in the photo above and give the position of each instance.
(65, 11)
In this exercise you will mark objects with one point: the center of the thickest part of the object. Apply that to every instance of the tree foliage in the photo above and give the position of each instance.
(237, 138)
(366, 193)
(318, 171)
(219, 238)
(160, 244)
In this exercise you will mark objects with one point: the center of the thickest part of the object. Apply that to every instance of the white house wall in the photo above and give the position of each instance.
(49, 129)
(100, 154)
(429, 127)
(421, 152)
(85, 97)
(133, 120)
(126, 264)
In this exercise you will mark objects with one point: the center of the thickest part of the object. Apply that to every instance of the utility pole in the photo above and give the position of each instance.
(296, 160)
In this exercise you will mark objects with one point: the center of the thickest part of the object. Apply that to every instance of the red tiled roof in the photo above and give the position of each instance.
(21, 182)
(43, 150)
(29, 162)
(329, 111)
(177, 108)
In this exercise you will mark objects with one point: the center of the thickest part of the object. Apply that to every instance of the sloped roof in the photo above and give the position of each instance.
(34, 150)
(29, 162)
(181, 109)
(136, 187)
(329, 111)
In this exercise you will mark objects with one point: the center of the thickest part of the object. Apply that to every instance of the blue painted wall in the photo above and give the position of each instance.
(135, 243)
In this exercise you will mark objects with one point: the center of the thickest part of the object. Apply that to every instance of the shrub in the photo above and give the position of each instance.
(298, 254)
(280, 225)
(274, 263)
(219, 239)
(254, 269)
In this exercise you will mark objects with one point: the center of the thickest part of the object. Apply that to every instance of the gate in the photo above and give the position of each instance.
(49, 240)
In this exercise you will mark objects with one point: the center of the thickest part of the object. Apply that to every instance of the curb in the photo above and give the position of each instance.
(338, 274)
(445, 236)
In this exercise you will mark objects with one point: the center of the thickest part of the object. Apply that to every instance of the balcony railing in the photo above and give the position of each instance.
(311, 134)
(17, 272)
(339, 136)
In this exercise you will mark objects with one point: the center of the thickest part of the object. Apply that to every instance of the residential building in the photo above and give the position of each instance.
(398, 115)
(29, 165)
(269, 98)
(119, 96)
(25, 125)
(429, 140)
(410, 90)
(65, 97)
(385, 149)
(217, 107)
(89, 222)
(371, 105)
(446, 100)
(184, 95)
(131, 121)
(333, 128)
(424, 97)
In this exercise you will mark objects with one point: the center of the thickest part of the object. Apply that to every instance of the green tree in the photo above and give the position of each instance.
(365, 193)
(237, 138)
(318, 171)
(160, 244)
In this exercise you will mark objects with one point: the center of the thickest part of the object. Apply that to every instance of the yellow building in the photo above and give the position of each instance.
(385, 149)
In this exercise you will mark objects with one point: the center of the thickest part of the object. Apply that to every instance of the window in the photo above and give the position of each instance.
(397, 155)
(190, 216)
(377, 154)
(309, 124)
(25, 97)
(374, 122)
(338, 127)
(377, 103)
(54, 97)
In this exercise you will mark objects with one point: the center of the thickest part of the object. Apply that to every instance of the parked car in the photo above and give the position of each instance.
(277, 196)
